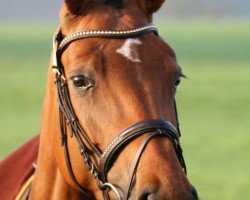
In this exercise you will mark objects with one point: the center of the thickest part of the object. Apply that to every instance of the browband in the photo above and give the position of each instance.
(116, 34)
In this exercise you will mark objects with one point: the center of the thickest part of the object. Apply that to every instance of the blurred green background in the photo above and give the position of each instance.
(213, 101)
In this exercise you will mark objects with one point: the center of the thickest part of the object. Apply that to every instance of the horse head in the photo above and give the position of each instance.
(116, 134)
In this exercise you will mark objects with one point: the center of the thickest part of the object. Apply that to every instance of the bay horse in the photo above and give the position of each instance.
(110, 73)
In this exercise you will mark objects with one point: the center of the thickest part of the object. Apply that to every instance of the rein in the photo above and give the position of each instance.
(68, 118)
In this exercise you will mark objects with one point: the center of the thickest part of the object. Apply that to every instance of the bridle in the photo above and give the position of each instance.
(67, 118)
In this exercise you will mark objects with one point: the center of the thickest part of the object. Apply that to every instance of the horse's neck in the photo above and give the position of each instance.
(48, 182)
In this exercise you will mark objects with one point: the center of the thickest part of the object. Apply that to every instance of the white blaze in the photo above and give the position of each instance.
(127, 50)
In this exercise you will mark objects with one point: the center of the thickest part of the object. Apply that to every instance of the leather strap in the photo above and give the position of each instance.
(71, 173)
(136, 161)
(25, 190)
(131, 133)
(116, 34)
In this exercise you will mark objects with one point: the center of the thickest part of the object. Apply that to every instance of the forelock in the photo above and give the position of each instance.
(116, 3)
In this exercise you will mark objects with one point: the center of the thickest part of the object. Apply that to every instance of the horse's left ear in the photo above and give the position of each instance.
(150, 6)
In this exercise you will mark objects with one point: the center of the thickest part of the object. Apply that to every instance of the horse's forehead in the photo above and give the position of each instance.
(129, 51)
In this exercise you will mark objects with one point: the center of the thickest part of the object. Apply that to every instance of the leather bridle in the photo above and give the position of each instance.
(152, 128)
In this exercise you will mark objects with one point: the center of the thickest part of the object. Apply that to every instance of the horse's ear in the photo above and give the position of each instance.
(150, 6)
(75, 6)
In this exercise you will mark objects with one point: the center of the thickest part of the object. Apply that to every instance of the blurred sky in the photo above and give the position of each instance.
(23, 10)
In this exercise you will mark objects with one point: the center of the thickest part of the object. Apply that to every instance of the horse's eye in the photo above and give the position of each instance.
(178, 81)
(82, 82)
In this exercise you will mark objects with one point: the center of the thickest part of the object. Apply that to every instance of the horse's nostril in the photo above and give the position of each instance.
(148, 196)
(144, 197)
(195, 194)
(152, 196)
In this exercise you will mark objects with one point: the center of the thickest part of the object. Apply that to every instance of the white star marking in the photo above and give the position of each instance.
(127, 50)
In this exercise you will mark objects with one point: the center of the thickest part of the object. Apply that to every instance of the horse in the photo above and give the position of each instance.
(110, 127)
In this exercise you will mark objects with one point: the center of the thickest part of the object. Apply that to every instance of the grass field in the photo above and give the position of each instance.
(213, 102)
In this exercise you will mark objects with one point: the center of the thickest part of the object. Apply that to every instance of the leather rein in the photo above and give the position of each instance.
(69, 120)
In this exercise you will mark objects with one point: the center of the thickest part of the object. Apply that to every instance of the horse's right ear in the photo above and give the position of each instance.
(150, 6)
(75, 6)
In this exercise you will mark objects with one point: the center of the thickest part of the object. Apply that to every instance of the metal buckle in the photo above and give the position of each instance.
(112, 187)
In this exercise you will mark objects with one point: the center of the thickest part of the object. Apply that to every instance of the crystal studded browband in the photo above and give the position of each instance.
(116, 34)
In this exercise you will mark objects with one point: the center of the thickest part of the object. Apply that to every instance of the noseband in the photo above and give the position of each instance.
(68, 118)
